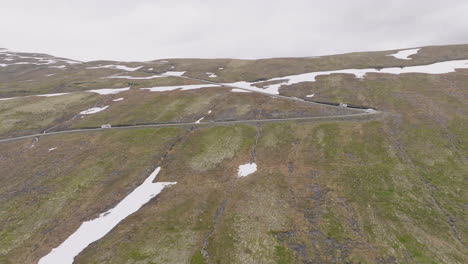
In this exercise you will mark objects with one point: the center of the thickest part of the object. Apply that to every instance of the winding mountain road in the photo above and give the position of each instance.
(361, 115)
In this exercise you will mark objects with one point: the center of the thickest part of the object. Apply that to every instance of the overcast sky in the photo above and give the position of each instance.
(153, 29)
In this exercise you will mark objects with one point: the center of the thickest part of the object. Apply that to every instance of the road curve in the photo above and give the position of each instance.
(364, 114)
(296, 99)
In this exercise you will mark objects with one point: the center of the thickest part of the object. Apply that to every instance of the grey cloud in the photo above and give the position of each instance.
(146, 30)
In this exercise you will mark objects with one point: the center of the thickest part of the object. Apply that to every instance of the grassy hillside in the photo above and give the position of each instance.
(381, 190)
(252, 70)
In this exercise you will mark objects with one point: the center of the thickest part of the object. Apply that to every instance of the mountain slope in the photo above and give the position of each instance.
(340, 185)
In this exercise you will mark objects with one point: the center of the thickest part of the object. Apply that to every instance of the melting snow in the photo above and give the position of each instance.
(174, 73)
(435, 68)
(5, 99)
(93, 110)
(246, 169)
(239, 91)
(404, 54)
(41, 95)
(39, 60)
(199, 120)
(125, 68)
(109, 90)
(51, 95)
(99, 91)
(58, 67)
(182, 87)
(25, 63)
(118, 99)
(95, 229)
(117, 67)
(135, 77)
(248, 86)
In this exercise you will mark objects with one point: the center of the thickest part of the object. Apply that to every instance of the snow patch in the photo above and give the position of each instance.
(434, 68)
(404, 54)
(246, 169)
(51, 95)
(199, 120)
(135, 77)
(239, 91)
(118, 99)
(27, 63)
(182, 87)
(41, 95)
(310, 95)
(116, 67)
(109, 90)
(93, 110)
(126, 68)
(5, 99)
(44, 60)
(52, 149)
(95, 229)
(248, 86)
(58, 67)
(174, 73)
(211, 75)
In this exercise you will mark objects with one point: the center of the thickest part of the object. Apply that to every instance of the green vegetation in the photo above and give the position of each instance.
(197, 259)
(391, 190)
(283, 255)
(35, 114)
(218, 144)
(103, 168)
